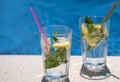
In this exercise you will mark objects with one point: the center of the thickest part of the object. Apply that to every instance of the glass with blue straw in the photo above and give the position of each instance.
(56, 63)
(55, 45)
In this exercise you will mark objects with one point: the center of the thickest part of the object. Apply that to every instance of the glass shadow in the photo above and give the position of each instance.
(103, 74)
(45, 80)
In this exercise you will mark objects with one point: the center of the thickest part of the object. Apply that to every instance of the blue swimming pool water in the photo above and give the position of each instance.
(19, 33)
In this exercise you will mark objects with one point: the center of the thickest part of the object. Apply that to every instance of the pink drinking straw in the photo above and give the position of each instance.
(40, 29)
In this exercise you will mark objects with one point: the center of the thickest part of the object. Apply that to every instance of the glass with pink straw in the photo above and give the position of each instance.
(56, 46)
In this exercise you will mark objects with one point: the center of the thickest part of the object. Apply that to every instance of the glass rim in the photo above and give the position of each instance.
(94, 16)
(58, 26)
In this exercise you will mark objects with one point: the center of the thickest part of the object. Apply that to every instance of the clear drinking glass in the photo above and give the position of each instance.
(94, 38)
(56, 58)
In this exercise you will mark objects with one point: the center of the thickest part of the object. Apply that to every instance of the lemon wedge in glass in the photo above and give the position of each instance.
(87, 36)
(62, 42)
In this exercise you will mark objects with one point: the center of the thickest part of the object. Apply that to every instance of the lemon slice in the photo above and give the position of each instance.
(97, 26)
(87, 36)
(62, 42)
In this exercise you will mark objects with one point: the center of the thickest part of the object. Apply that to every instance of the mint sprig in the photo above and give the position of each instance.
(89, 24)
(97, 35)
(90, 28)
(56, 59)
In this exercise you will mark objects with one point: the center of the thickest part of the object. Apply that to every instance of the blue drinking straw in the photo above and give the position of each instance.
(50, 32)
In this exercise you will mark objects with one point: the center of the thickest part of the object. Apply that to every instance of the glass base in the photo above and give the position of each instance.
(95, 75)
(65, 80)
(55, 78)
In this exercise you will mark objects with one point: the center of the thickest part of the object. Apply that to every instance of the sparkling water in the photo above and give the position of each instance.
(95, 59)
(57, 73)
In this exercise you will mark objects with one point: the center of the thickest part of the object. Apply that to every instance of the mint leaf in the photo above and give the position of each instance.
(89, 48)
(55, 39)
(55, 33)
(89, 24)
(54, 36)
(51, 61)
(88, 20)
(62, 52)
(56, 59)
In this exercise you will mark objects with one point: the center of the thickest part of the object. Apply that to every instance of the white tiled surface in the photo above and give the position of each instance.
(25, 68)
